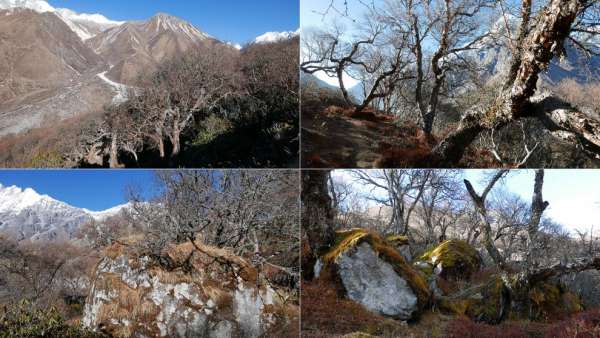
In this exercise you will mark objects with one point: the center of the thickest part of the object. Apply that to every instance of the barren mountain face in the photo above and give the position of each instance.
(39, 52)
(135, 48)
(58, 64)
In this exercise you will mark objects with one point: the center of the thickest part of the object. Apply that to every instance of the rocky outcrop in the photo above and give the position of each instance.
(586, 285)
(374, 274)
(207, 292)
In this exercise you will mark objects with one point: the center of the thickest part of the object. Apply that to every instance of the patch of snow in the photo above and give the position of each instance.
(120, 89)
(235, 45)
(84, 25)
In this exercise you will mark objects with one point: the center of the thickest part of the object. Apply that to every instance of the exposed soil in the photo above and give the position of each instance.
(340, 138)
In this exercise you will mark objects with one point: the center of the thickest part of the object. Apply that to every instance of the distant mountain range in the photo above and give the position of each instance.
(57, 63)
(27, 215)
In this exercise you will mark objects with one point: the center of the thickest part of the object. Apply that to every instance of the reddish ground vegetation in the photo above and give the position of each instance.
(326, 313)
(466, 328)
(582, 325)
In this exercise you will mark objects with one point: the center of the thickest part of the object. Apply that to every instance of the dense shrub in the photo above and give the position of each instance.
(24, 320)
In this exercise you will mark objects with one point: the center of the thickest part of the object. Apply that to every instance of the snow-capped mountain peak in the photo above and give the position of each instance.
(84, 25)
(162, 21)
(28, 215)
(271, 37)
(15, 199)
(36, 5)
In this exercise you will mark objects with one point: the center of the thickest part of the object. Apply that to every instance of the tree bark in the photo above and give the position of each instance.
(479, 202)
(538, 205)
(114, 152)
(317, 217)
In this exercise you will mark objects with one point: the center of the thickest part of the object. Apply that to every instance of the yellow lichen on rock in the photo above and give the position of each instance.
(455, 259)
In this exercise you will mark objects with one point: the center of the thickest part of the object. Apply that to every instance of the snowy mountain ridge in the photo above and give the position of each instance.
(84, 25)
(271, 37)
(25, 214)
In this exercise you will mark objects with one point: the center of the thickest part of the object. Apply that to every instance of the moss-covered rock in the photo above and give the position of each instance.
(491, 302)
(350, 244)
(485, 302)
(401, 243)
(452, 259)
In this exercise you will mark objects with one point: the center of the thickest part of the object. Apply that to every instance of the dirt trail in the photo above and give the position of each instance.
(338, 141)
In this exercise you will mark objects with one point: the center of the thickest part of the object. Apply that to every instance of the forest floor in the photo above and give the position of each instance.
(327, 313)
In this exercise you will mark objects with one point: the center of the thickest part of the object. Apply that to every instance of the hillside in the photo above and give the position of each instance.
(62, 66)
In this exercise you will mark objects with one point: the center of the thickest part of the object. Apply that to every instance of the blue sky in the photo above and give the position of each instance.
(228, 20)
(91, 189)
(573, 194)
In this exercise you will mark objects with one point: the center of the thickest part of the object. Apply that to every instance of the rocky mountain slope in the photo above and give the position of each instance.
(58, 63)
(137, 47)
(27, 215)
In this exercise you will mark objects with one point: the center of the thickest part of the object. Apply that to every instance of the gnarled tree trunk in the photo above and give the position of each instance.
(317, 217)
(543, 41)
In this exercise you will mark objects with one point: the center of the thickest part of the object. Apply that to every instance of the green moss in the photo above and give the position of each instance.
(457, 259)
(348, 239)
(426, 269)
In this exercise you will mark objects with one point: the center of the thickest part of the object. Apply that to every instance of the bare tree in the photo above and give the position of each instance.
(403, 188)
(378, 62)
(452, 27)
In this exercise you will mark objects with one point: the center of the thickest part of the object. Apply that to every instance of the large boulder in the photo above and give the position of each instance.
(374, 274)
(586, 284)
(210, 293)
(452, 259)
